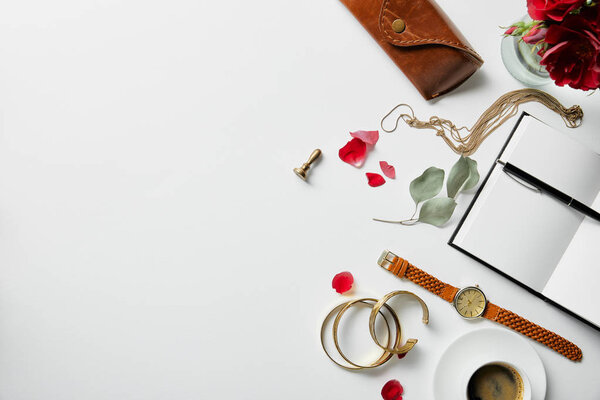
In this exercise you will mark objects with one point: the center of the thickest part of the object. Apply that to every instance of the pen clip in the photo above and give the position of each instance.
(516, 179)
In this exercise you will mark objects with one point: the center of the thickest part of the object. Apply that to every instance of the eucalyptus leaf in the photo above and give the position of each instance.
(473, 179)
(428, 185)
(437, 211)
(458, 176)
(463, 176)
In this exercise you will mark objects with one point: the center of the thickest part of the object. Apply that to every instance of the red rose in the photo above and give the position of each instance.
(592, 14)
(555, 10)
(573, 56)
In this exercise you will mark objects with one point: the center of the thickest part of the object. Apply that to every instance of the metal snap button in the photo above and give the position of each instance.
(398, 26)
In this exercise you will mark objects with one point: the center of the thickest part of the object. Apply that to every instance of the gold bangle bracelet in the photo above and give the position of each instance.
(410, 343)
(386, 356)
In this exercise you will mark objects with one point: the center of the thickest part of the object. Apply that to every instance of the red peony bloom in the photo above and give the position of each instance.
(555, 10)
(573, 57)
(592, 15)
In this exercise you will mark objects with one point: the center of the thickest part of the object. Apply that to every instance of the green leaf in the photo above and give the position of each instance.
(458, 176)
(437, 211)
(427, 185)
(473, 175)
(463, 176)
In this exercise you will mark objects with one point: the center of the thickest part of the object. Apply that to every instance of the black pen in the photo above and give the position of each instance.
(543, 187)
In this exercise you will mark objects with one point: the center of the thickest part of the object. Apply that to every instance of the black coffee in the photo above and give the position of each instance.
(495, 382)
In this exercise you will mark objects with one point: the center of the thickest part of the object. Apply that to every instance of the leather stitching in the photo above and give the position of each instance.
(403, 268)
(387, 34)
(449, 293)
(491, 312)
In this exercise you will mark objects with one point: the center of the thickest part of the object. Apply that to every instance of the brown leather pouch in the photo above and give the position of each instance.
(421, 40)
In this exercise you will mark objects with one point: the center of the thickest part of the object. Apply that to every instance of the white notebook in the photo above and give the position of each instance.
(532, 238)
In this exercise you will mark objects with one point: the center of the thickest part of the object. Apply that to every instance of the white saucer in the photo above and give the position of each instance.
(487, 345)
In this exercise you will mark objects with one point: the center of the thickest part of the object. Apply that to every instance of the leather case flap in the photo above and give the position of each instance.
(425, 24)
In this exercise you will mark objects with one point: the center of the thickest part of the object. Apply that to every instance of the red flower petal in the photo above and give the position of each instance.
(354, 152)
(369, 137)
(392, 390)
(375, 179)
(388, 170)
(342, 282)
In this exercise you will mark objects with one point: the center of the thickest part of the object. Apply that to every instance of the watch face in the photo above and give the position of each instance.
(470, 302)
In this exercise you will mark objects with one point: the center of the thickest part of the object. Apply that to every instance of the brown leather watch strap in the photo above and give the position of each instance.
(403, 269)
(534, 331)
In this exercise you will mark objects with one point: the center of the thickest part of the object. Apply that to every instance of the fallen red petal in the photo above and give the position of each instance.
(375, 179)
(392, 390)
(388, 170)
(369, 137)
(342, 282)
(354, 152)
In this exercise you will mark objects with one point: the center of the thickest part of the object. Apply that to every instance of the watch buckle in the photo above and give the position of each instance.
(386, 259)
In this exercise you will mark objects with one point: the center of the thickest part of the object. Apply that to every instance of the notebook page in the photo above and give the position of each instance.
(574, 283)
(518, 231)
(556, 159)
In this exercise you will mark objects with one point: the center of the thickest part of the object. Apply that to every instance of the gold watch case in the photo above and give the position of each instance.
(470, 302)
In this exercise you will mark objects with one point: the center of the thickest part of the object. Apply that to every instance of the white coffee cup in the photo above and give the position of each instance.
(523, 380)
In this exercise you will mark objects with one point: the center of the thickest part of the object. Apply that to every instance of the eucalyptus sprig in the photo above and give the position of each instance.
(423, 189)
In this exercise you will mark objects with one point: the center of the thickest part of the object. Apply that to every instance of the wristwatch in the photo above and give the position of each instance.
(470, 302)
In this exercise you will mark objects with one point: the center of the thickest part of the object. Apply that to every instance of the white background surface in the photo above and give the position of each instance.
(154, 242)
